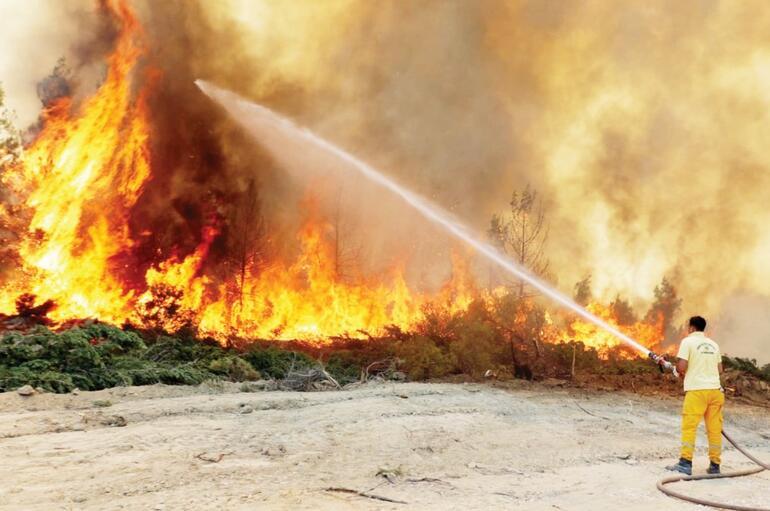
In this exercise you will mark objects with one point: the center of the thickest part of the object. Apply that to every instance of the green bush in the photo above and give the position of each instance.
(234, 368)
(476, 348)
(176, 350)
(98, 356)
(110, 340)
(52, 381)
(423, 358)
(277, 363)
(748, 366)
(342, 369)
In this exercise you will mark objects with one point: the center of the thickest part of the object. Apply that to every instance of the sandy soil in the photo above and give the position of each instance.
(432, 446)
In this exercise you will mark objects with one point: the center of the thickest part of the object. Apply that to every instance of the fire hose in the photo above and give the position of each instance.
(762, 466)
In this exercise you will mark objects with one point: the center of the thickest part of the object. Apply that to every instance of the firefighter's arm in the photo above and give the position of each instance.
(682, 357)
(681, 366)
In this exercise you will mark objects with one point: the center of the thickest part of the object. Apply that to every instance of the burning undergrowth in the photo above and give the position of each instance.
(466, 346)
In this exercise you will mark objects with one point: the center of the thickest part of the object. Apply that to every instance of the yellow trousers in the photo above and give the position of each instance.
(700, 404)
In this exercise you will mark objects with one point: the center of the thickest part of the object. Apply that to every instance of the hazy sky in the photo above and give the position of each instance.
(32, 41)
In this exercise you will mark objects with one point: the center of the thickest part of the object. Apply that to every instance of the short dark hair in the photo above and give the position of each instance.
(698, 323)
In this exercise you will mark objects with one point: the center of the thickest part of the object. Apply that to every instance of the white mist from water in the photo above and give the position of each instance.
(269, 128)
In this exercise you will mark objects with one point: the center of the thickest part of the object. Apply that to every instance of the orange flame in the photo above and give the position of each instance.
(83, 173)
(650, 335)
(301, 300)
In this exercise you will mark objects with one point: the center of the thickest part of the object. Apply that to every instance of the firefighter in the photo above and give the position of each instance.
(700, 362)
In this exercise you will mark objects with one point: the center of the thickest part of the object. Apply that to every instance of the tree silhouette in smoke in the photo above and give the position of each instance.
(664, 308)
(583, 294)
(522, 233)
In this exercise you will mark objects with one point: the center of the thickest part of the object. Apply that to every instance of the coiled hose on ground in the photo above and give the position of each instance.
(704, 502)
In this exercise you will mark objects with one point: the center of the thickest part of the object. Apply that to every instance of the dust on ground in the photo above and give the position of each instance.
(428, 446)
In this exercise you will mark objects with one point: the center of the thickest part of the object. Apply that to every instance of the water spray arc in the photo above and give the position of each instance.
(238, 106)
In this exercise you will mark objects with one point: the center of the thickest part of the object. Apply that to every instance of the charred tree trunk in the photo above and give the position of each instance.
(520, 370)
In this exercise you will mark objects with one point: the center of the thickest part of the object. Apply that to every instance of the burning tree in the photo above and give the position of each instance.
(622, 311)
(10, 152)
(136, 211)
(664, 308)
(247, 250)
(57, 85)
(522, 233)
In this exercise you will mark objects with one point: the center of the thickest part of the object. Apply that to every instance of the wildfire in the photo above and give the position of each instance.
(87, 169)
(80, 179)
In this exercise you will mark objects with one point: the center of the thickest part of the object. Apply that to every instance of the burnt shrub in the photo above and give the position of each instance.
(558, 358)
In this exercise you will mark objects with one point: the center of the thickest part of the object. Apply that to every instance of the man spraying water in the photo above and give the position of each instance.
(700, 362)
(698, 355)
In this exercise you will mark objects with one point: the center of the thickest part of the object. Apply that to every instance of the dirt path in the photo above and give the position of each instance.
(433, 446)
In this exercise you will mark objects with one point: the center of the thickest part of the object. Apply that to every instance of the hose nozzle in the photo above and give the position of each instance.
(664, 364)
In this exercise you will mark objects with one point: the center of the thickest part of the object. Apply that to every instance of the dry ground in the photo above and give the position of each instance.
(432, 446)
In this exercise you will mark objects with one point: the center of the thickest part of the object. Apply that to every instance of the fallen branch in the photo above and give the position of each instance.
(590, 413)
(387, 364)
(429, 480)
(309, 379)
(600, 416)
(331, 379)
(364, 494)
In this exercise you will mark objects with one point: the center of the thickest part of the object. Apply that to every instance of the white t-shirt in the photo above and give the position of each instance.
(703, 359)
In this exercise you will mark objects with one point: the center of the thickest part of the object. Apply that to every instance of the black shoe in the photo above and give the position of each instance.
(713, 469)
(684, 466)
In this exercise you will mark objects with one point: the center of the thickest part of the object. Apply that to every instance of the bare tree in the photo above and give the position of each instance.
(522, 233)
